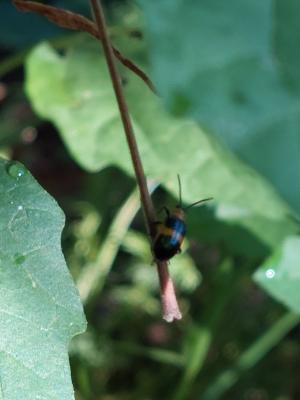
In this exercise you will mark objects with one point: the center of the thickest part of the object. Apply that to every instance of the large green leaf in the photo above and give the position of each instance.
(40, 308)
(280, 274)
(234, 65)
(75, 93)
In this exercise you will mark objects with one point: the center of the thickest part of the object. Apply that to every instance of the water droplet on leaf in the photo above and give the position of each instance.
(270, 273)
(16, 170)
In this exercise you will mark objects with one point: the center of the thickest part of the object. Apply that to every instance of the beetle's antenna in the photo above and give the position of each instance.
(198, 202)
(179, 186)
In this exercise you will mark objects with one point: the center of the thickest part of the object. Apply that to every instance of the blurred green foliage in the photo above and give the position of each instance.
(237, 66)
(228, 74)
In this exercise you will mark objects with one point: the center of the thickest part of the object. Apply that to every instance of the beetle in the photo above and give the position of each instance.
(170, 234)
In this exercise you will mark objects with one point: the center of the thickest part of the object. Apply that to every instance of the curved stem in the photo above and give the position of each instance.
(156, 354)
(93, 277)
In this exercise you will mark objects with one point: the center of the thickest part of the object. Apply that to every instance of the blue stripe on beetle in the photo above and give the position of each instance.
(171, 232)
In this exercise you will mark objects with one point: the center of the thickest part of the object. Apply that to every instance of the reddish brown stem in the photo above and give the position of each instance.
(169, 303)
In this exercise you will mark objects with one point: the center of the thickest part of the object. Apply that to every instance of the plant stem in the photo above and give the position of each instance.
(169, 301)
(137, 164)
(93, 276)
(201, 334)
(156, 354)
(252, 356)
(202, 337)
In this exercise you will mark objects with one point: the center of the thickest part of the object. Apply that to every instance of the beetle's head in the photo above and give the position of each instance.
(178, 212)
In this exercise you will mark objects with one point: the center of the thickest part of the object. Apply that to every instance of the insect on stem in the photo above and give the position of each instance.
(169, 303)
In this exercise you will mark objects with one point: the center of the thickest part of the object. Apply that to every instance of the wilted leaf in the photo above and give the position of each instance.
(21, 36)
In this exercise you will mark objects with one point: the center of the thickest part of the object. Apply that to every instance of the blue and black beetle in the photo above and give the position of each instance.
(170, 233)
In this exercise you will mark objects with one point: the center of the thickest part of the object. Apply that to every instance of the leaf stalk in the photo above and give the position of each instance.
(169, 302)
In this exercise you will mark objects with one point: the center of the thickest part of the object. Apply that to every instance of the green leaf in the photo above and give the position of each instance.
(280, 276)
(40, 308)
(75, 93)
(236, 67)
(287, 29)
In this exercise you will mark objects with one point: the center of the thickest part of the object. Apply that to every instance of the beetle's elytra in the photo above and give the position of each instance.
(171, 232)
